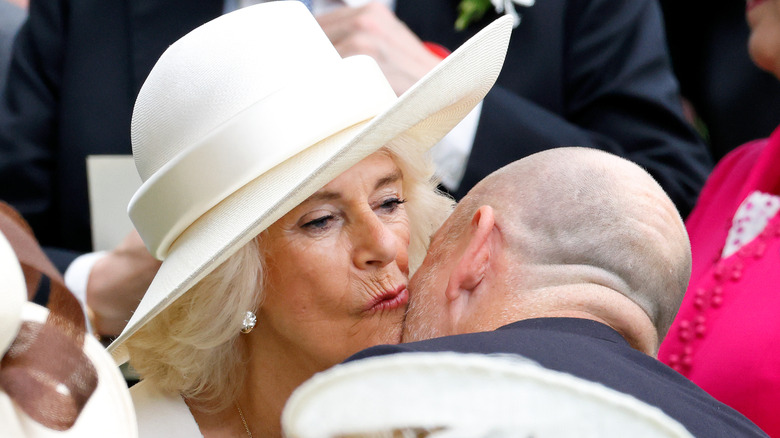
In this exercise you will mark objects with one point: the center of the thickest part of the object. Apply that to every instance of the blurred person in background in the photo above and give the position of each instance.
(725, 336)
(731, 100)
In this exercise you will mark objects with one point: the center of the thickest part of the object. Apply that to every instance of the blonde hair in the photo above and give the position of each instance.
(193, 347)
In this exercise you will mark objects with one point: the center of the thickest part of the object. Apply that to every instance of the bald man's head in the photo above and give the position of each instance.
(572, 218)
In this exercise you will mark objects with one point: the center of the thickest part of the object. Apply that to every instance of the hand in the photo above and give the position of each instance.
(375, 31)
(117, 283)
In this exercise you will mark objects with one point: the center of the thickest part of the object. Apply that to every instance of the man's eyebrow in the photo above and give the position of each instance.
(324, 195)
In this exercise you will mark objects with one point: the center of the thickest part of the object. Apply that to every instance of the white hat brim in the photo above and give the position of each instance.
(465, 395)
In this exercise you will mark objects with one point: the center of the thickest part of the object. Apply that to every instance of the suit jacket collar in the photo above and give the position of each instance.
(577, 326)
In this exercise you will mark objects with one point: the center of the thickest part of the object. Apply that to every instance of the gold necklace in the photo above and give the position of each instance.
(243, 420)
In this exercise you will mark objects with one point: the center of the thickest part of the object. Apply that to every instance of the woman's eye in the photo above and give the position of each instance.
(392, 204)
(319, 223)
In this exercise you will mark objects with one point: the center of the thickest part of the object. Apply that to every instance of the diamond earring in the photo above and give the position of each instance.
(250, 319)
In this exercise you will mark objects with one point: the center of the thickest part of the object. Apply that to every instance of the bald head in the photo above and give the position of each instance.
(574, 215)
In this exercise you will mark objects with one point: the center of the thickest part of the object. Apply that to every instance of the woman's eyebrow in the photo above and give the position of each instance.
(323, 196)
(389, 179)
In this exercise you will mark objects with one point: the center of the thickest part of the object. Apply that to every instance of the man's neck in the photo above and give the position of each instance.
(585, 301)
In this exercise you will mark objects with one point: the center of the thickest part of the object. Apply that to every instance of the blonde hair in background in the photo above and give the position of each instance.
(193, 347)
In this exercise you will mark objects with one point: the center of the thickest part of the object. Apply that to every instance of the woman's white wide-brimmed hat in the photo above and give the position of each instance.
(465, 395)
(249, 114)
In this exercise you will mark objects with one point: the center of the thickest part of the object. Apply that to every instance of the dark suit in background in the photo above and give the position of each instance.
(596, 352)
(77, 67)
(592, 73)
(11, 18)
(578, 72)
(736, 101)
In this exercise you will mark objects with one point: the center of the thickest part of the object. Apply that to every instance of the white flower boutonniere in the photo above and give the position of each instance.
(472, 10)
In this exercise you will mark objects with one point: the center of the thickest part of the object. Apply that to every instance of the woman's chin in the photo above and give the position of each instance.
(764, 51)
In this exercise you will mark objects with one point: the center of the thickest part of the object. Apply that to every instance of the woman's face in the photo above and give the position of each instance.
(338, 269)
(763, 17)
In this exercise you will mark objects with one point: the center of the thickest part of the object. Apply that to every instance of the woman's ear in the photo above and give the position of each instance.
(475, 260)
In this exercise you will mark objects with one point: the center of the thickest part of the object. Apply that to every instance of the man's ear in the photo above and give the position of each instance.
(473, 263)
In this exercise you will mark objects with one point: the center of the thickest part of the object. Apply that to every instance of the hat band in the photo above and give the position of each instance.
(254, 141)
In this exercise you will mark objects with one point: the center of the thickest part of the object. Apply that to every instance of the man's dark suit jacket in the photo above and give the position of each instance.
(579, 72)
(598, 353)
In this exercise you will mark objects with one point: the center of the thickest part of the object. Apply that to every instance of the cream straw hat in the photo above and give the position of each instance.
(465, 395)
(246, 116)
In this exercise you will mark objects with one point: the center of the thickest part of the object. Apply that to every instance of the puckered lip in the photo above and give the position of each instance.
(389, 300)
(750, 4)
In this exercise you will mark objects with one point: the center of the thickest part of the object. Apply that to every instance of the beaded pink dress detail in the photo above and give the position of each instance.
(726, 337)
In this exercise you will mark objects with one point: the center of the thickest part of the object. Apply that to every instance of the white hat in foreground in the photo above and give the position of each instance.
(107, 412)
(248, 115)
(465, 396)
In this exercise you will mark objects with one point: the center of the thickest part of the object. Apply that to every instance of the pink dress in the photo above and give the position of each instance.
(726, 337)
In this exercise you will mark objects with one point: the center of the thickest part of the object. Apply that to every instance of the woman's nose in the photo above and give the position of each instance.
(375, 243)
